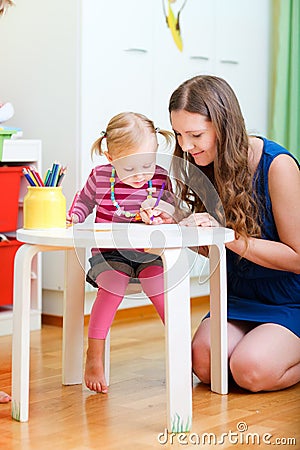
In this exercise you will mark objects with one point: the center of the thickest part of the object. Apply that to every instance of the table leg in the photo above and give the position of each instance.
(21, 331)
(178, 340)
(73, 316)
(218, 312)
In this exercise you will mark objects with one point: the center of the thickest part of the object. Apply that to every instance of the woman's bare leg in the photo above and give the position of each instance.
(201, 346)
(266, 359)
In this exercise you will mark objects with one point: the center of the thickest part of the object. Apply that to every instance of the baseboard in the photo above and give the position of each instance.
(144, 312)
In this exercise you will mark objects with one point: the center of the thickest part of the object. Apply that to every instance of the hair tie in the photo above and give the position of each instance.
(157, 130)
(103, 134)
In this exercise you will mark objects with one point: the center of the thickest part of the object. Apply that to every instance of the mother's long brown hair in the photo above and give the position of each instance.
(213, 98)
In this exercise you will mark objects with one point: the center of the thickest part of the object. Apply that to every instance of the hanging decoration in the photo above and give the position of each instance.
(173, 23)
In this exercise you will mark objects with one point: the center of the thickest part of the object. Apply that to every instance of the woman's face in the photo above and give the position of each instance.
(196, 135)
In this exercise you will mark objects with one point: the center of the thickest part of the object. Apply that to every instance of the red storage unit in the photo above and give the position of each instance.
(8, 250)
(10, 179)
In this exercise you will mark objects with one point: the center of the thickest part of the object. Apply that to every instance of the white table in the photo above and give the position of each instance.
(171, 242)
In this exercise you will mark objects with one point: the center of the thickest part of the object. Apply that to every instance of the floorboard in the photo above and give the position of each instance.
(133, 414)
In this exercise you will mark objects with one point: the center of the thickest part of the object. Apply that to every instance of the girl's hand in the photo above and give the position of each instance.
(162, 213)
(72, 219)
(199, 220)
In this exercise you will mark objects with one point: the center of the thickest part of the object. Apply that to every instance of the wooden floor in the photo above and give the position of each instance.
(133, 414)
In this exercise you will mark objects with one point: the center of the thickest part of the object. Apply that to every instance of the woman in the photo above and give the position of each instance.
(258, 185)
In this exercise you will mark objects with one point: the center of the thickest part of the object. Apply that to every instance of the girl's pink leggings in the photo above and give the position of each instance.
(112, 286)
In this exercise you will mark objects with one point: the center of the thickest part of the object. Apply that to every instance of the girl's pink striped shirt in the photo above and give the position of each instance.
(97, 193)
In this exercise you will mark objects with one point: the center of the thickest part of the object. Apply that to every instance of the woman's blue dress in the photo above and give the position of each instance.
(256, 293)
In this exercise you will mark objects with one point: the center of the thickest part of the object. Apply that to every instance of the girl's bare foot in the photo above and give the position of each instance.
(94, 372)
(4, 398)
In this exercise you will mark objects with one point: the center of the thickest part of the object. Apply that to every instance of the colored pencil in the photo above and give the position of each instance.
(46, 177)
(158, 198)
(73, 203)
(37, 177)
(28, 178)
(61, 175)
(54, 174)
(53, 177)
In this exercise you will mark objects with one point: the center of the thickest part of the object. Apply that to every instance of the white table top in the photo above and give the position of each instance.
(124, 235)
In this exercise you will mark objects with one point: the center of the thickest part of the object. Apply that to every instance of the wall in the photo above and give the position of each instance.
(66, 68)
(38, 52)
(40, 61)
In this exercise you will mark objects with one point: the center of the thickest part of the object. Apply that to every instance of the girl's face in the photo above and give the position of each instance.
(196, 135)
(136, 166)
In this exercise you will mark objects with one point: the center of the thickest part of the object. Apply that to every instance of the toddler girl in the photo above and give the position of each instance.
(117, 190)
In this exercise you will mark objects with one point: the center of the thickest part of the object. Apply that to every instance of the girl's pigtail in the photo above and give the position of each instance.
(97, 145)
(168, 135)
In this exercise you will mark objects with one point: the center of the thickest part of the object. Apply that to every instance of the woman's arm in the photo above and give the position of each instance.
(284, 188)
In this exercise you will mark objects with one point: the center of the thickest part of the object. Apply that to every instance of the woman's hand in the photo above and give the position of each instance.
(199, 220)
(203, 250)
(162, 213)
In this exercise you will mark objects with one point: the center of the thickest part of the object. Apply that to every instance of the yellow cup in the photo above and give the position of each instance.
(44, 207)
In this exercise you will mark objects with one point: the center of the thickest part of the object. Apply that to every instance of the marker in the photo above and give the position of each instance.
(158, 198)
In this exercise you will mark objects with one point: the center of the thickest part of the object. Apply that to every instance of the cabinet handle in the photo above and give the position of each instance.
(135, 50)
(228, 61)
(201, 58)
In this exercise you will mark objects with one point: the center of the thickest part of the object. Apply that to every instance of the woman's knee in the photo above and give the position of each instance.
(251, 373)
(266, 359)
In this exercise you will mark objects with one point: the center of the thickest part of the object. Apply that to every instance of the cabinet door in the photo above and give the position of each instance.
(242, 49)
(199, 37)
(116, 64)
(171, 66)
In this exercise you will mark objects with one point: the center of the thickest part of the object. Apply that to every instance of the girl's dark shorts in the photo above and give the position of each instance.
(130, 262)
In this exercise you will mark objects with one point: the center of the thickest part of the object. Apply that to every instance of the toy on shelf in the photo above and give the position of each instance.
(6, 111)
